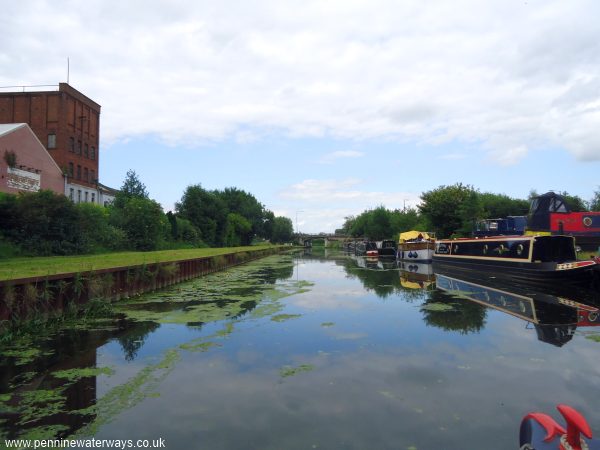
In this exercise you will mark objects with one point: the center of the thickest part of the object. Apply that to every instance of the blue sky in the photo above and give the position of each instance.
(324, 109)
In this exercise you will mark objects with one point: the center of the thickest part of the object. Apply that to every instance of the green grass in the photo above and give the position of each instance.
(15, 268)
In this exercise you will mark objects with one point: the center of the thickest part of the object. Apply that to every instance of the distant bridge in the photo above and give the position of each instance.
(306, 239)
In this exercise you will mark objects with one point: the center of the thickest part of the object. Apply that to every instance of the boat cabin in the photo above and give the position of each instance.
(511, 225)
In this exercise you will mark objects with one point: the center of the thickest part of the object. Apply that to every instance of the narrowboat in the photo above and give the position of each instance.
(550, 212)
(417, 246)
(387, 248)
(366, 248)
(528, 258)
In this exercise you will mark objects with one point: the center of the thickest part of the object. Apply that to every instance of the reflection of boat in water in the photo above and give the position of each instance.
(416, 275)
(416, 246)
(555, 318)
(527, 258)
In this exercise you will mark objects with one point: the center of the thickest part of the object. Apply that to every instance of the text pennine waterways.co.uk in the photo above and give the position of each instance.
(85, 443)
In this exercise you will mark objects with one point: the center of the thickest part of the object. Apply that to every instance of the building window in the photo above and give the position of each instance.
(86, 175)
(85, 151)
(93, 197)
(71, 169)
(86, 196)
(72, 194)
(93, 153)
(52, 140)
(72, 145)
(79, 172)
(79, 147)
(78, 195)
(93, 176)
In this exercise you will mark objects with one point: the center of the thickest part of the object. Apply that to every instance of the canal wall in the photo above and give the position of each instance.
(29, 297)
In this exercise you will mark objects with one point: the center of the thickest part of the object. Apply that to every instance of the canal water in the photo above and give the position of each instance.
(309, 351)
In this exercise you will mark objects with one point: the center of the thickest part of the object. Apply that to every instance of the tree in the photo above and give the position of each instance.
(378, 224)
(244, 204)
(206, 211)
(236, 230)
(132, 188)
(47, 224)
(450, 209)
(595, 202)
(143, 221)
(575, 202)
(406, 220)
(283, 230)
(500, 205)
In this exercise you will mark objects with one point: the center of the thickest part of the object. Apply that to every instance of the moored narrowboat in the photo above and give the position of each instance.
(529, 258)
(387, 247)
(417, 246)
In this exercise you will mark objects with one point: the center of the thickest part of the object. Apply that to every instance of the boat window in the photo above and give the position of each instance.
(534, 205)
(493, 225)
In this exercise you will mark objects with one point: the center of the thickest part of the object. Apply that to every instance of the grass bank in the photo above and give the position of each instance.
(16, 268)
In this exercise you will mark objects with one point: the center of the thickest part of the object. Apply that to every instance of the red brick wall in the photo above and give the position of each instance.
(32, 158)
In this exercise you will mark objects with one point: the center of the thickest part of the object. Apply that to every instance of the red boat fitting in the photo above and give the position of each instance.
(539, 431)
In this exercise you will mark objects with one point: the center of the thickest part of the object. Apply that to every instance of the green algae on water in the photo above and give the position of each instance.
(439, 307)
(593, 337)
(327, 324)
(289, 371)
(77, 374)
(284, 317)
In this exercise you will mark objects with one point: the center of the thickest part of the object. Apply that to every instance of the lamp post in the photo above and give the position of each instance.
(298, 232)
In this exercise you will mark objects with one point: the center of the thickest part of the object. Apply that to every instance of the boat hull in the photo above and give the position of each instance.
(529, 259)
(416, 251)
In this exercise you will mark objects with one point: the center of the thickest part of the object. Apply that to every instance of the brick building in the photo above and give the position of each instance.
(25, 165)
(67, 123)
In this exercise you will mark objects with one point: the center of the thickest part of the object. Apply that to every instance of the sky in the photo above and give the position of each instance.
(324, 109)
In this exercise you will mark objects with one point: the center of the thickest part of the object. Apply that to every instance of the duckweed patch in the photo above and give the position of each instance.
(327, 324)
(438, 307)
(284, 317)
(77, 374)
(289, 371)
(199, 347)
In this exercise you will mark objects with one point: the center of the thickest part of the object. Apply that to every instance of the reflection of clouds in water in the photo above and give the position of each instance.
(393, 397)
(322, 299)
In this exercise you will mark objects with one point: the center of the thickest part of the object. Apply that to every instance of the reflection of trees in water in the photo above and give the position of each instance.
(381, 277)
(271, 274)
(465, 316)
(134, 337)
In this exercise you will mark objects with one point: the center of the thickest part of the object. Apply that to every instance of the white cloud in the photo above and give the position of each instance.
(314, 197)
(431, 72)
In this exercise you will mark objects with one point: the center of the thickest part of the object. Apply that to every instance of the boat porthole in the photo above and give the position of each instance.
(593, 316)
(485, 249)
(520, 249)
(587, 221)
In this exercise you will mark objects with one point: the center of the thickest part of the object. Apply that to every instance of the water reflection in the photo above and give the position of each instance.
(554, 314)
(376, 355)
(555, 318)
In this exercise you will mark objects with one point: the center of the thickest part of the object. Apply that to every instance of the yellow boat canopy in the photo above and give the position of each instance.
(410, 235)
